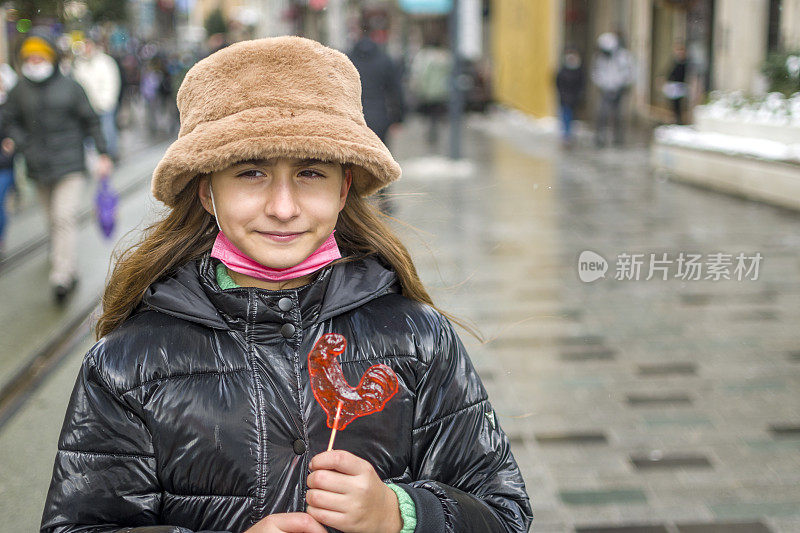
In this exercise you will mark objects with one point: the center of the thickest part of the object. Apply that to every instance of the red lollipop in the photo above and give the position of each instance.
(341, 402)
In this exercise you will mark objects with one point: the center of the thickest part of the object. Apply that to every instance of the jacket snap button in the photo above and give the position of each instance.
(299, 447)
(284, 304)
(287, 330)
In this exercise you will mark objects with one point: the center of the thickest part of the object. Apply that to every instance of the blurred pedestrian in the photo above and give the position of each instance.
(429, 82)
(130, 73)
(6, 180)
(8, 78)
(612, 74)
(150, 89)
(381, 92)
(222, 340)
(570, 85)
(674, 88)
(48, 116)
(168, 90)
(98, 74)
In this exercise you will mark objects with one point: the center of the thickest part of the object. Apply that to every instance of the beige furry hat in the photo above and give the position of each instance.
(282, 96)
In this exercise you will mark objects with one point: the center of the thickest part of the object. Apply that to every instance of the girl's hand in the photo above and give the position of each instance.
(287, 523)
(346, 493)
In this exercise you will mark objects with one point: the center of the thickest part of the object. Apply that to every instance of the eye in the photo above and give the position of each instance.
(311, 173)
(250, 174)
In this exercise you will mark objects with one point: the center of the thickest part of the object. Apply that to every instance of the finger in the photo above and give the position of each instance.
(341, 461)
(330, 501)
(329, 518)
(331, 481)
(297, 523)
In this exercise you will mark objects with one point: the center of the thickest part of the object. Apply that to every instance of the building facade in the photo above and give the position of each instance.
(726, 41)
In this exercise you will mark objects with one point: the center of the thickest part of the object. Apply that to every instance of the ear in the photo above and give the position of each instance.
(204, 193)
(347, 182)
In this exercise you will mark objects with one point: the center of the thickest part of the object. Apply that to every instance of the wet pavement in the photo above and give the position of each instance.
(671, 405)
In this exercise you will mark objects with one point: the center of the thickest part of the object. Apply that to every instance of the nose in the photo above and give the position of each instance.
(282, 201)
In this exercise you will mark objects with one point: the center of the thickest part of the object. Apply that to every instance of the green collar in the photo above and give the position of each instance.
(224, 279)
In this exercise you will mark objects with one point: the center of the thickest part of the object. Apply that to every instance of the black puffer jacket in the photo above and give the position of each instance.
(197, 413)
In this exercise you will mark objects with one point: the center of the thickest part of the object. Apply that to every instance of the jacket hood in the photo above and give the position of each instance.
(192, 293)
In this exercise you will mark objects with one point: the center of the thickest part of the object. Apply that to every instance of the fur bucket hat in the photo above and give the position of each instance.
(282, 96)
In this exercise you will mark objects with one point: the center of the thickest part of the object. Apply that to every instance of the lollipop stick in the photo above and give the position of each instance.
(335, 425)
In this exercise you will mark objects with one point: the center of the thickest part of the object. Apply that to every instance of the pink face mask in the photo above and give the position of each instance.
(235, 260)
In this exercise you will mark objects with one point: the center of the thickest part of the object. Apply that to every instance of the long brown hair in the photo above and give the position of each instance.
(188, 232)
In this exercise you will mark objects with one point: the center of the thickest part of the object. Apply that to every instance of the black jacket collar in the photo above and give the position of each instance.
(192, 293)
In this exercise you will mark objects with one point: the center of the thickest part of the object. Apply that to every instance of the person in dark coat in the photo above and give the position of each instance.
(570, 84)
(675, 88)
(381, 91)
(48, 116)
(272, 290)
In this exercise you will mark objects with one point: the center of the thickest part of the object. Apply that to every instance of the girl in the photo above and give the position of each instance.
(195, 411)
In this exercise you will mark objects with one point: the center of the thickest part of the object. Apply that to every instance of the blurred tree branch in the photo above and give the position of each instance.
(98, 10)
(108, 10)
(33, 9)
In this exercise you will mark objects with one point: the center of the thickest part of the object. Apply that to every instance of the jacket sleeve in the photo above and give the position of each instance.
(466, 479)
(104, 478)
(12, 120)
(89, 120)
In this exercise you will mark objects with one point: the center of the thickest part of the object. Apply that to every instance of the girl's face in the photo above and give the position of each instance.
(277, 211)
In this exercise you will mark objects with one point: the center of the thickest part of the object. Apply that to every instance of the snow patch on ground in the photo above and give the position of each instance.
(437, 168)
(688, 137)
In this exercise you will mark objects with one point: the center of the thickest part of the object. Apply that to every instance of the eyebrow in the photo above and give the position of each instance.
(270, 162)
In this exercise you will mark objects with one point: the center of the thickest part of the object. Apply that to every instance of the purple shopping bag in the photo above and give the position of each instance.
(105, 204)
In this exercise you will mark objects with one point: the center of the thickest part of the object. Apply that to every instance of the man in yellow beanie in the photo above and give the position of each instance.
(48, 117)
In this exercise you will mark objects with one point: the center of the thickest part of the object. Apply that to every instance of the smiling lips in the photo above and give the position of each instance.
(280, 236)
